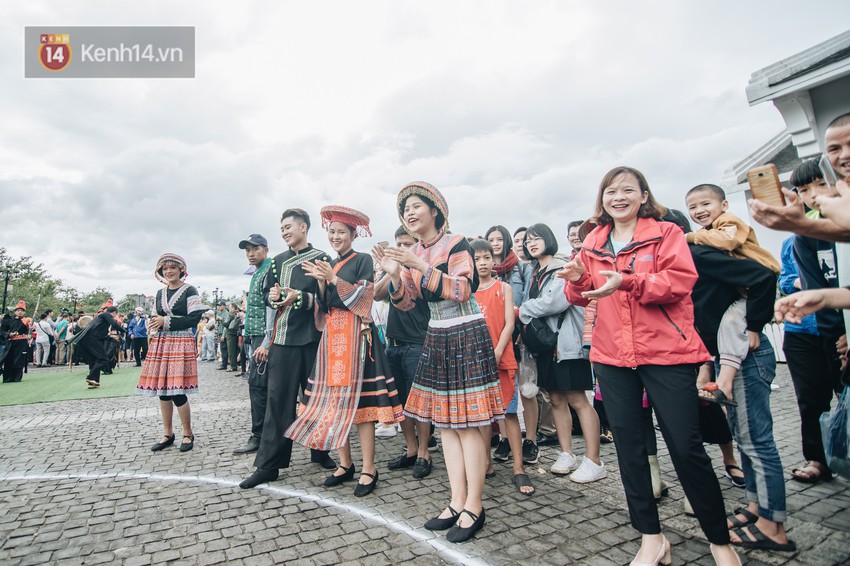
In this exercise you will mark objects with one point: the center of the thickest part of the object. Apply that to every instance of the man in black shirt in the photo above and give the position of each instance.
(405, 337)
(292, 353)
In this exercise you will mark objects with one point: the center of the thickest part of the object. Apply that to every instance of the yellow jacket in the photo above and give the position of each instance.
(730, 233)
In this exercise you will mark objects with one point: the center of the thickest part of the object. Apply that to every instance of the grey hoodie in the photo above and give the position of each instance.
(549, 304)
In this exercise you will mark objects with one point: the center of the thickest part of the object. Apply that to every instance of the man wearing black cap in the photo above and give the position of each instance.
(257, 338)
(294, 341)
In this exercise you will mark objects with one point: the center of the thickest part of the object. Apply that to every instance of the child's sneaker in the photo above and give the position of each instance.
(565, 464)
(503, 451)
(530, 452)
(589, 471)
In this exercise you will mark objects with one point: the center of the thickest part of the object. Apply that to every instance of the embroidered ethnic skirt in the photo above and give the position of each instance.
(171, 367)
(334, 403)
(457, 380)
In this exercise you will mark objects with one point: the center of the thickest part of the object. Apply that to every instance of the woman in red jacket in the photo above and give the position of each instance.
(641, 272)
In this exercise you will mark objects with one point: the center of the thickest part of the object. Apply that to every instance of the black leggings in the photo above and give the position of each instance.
(179, 400)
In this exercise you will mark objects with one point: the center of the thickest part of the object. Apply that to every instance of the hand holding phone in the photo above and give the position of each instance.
(765, 185)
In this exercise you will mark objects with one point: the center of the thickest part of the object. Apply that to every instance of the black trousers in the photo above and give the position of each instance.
(140, 350)
(816, 372)
(94, 352)
(673, 394)
(287, 371)
(257, 387)
(222, 341)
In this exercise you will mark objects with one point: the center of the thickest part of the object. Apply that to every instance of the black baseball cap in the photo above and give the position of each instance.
(253, 240)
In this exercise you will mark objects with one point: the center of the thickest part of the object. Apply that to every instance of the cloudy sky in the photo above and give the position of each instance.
(514, 109)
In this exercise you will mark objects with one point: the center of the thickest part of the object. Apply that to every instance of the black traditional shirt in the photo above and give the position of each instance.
(295, 324)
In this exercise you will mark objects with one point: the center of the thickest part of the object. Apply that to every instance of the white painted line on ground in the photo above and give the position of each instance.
(443, 547)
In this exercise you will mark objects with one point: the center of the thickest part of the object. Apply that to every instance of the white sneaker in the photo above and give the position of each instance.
(589, 471)
(565, 464)
(385, 431)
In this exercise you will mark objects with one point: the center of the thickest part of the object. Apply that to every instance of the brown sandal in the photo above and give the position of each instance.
(804, 474)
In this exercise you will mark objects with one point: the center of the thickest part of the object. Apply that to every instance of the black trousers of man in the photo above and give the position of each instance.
(816, 373)
(287, 372)
(93, 351)
(257, 387)
(222, 342)
(140, 350)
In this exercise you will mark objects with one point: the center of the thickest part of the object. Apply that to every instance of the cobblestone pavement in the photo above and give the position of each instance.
(79, 485)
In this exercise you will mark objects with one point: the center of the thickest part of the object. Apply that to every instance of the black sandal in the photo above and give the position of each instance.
(522, 480)
(169, 440)
(186, 446)
(737, 481)
(718, 397)
(752, 537)
(749, 518)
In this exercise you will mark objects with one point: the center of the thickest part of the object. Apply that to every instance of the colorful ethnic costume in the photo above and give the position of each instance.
(457, 381)
(351, 383)
(171, 366)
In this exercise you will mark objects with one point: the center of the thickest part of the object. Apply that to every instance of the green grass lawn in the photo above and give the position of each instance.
(42, 386)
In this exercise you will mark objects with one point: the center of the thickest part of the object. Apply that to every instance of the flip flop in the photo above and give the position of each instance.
(717, 396)
(762, 541)
(738, 523)
(522, 480)
(823, 473)
(737, 481)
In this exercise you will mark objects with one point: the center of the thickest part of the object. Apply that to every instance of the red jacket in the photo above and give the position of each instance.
(649, 320)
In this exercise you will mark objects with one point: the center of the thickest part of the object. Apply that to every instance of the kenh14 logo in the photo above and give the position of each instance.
(54, 51)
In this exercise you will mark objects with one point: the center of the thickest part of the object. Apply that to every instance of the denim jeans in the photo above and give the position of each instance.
(752, 427)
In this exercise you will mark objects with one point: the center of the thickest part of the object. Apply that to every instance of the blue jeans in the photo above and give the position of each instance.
(752, 427)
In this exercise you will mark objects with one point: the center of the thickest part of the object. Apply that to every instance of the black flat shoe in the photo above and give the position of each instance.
(364, 489)
(439, 524)
(186, 446)
(322, 458)
(401, 462)
(161, 445)
(462, 534)
(334, 480)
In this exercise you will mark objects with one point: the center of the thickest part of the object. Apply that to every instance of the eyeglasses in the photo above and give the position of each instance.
(531, 239)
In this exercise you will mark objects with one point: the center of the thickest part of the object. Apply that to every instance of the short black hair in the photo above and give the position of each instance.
(839, 122)
(479, 245)
(400, 232)
(550, 242)
(805, 173)
(520, 229)
(718, 192)
(43, 316)
(297, 213)
(112, 309)
(574, 224)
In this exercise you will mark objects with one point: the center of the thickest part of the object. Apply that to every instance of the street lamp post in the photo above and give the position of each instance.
(8, 274)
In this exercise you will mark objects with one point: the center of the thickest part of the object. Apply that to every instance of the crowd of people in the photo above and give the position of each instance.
(438, 332)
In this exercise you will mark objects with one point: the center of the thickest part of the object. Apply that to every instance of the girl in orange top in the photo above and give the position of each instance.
(495, 299)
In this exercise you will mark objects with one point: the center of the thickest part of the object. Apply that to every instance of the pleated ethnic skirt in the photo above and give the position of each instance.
(171, 367)
(457, 380)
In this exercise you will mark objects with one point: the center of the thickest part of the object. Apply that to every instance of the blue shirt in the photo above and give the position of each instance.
(787, 277)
